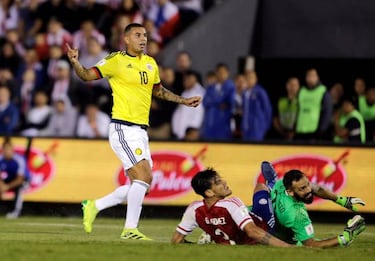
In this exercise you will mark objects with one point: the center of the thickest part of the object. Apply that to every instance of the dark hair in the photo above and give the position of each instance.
(210, 73)
(290, 176)
(129, 27)
(184, 53)
(191, 73)
(347, 98)
(203, 181)
(222, 65)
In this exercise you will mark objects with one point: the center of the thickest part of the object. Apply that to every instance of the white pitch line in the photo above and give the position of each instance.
(62, 225)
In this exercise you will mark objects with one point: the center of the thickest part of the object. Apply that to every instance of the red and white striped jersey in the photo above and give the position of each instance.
(224, 221)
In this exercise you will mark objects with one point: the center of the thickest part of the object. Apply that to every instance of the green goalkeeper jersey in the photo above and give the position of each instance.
(293, 222)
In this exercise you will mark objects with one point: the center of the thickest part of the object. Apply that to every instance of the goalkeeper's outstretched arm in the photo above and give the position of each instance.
(347, 202)
(354, 227)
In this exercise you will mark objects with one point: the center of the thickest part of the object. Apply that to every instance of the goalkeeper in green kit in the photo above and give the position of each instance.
(293, 225)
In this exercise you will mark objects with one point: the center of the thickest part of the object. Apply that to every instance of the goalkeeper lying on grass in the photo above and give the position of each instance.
(224, 220)
(293, 224)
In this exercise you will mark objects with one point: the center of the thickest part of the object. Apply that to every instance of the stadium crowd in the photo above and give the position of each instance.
(41, 96)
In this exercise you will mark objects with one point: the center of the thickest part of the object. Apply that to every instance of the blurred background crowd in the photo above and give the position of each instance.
(41, 96)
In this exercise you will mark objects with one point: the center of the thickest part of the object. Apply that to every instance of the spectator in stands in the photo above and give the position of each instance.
(99, 89)
(161, 110)
(165, 15)
(63, 119)
(14, 175)
(287, 108)
(28, 12)
(359, 89)
(28, 88)
(336, 92)
(94, 11)
(152, 32)
(240, 84)
(9, 57)
(13, 36)
(366, 105)
(94, 54)
(145, 6)
(349, 123)
(65, 85)
(94, 123)
(7, 78)
(82, 36)
(54, 9)
(31, 62)
(55, 54)
(187, 122)
(153, 48)
(9, 16)
(38, 116)
(117, 32)
(57, 34)
(131, 9)
(315, 109)
(210, 78)
(9, 113)
(257, 109)
(218, 105)
(183, 64)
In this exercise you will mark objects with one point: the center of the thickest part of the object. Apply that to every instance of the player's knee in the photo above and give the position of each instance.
(260, 187)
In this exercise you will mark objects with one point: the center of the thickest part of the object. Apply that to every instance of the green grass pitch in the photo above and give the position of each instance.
(53, 239)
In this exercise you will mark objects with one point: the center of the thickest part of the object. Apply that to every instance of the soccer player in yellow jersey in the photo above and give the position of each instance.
(134, 78)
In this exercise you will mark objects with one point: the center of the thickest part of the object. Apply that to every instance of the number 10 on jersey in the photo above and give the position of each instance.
(144, 77)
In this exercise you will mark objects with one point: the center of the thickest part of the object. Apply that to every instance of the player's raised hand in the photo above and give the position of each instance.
(350, 203)
(354, 227)
(193, 101)
(72, 53)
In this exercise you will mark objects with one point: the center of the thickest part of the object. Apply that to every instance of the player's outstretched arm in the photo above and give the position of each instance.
(178, 238)
(354, 227)
(165, 94)
(350, 203)
(263, 237)
(82, 72)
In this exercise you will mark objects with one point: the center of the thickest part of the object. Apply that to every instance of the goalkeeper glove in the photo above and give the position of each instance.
(354, 227)
(350, 202)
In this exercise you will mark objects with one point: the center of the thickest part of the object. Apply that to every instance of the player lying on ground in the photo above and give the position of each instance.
(293, 224)
(226, 220)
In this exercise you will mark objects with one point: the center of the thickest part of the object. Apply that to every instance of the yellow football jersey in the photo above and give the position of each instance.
(132, 80)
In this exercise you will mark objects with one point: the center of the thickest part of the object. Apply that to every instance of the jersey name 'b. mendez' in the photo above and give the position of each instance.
(224, 221)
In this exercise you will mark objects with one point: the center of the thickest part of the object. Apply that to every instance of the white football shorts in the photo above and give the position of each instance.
(130, 144)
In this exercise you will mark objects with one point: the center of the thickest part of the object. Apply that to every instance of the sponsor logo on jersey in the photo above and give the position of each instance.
(318, 169)
(149, 67)
(172, 173)
(40, 167)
